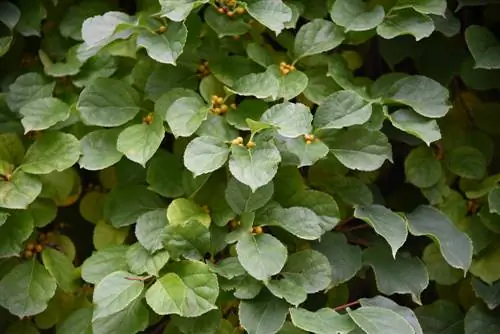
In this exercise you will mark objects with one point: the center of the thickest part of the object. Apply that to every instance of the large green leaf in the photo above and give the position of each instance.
(26, 289)
(403, 274)
(455, 246)
(189, 289)
(13, 232)
(99, 149)
(316, 37)
(108, 102)
(43, 113)
(164, 174)
(436, 7)
(261, 85)
(484, 46)
(39, 158)
(265, 314)
(164, 47)
(20, 191)
(356, 15)
(301, 222)
(290, 119)
(61, 268)
(323, 321)
(205, 154)
(421, 127)
(271, 13)
(253, 253)
(178, 10)
(11, 148)
(182, 210)
(185, 115)
(406, 22)
(377, 320)
(77, 322)
(28, 87)
(132, 319)
(466, 161)
(150, 229)
(104, 262)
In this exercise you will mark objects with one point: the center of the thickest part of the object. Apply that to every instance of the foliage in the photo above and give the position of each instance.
(258, 166)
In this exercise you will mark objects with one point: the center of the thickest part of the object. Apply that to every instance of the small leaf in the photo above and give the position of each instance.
(43, 113)
(386, 223)
(189, 289)
(455, 246)
(26, 289)
(150, 229)
(439, 270)
(263, 315)
(105, 235)
(39, 158)
(99, 149)
(290, 119)
(185, 115)
(409, 121)
(15, 230)
(466, 161)
(224, 25)
(241, 198)
(317, 36)
(356, 15)
(253, 251)
(20, 191)
(490, 294)
(422, 168)
(164, 47)
(27, 88)
(406, 22)
(205, 154)
(377, 320)
(61, 268)
(484, 47)
(271, 13)
(342, 109)
(323, 321)
(108, 102)
(132, 319)
(300, 152)
(182, 210)
(140, 261)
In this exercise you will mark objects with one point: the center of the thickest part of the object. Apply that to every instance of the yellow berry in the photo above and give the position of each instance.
(251, 144)
(162, 29)
(38, 248)
(230, 14)
(240, 10)
(234, 106)
(223, 108)
(257, 230)
(221, 10)
(30, 246)
(28, 254)
(220, 100)
(216, 110)
(285, 71)
(237, 141)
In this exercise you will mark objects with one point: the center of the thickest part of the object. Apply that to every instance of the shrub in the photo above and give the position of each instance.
(258, 166)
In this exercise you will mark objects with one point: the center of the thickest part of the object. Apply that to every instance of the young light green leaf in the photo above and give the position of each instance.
(164, 47)
(205, 154)
(323, 321)
(150, 229)
(421, 127)
(27, 88)
(422, 168)
(43, 113)
(402, 274)
(271, 13)
(253, 253)
(139, 142)
(466, 161)
(106, 235)
(20, 191)
(13, 232)
(140, 261)
(342, 109)
(185, 115)
(189, 289)
(114, 293)
(265, 314)
(254, 167)
(406, 22)
(61, 268)
(26, 289)
(484, 47)
(315, 37)
(99, 149)
(455, 245)
(241, 198)
(290, 119)
(39, 158)
(391, 226)
(356, 15)
(377, 320)
(104, 262)
(108, 102)
(178, 10)
(182, 210)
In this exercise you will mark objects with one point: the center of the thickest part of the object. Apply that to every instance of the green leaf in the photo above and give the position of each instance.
(20, 191)
(466, 161)
(301, 222)
(71, 24)
(377, 320)
(182, 210)
(410, 122)
(289, 85)
(43, 113)
(224, 25)
(106, 235)
(241, 198)
(253, 253)
(32, 15)
(91, 206)
(178, 10)
(104, 262)
(205, 154)
(323, 321)
(356, 15)
(191, 240)
(125, 204)
(484, 47)
(317, 36)
(164, 174)
(455, 246)
(100, 30)
(406, 22)
(261, 85)
(108, 102)
(490, 294)
(61, 268)
(265, 314)
(259, 54)
(300, 152)
(273, 14)
(229, 268)
(479, 320)
(13, 232)
(400, 274)
(39, 158)
(164, 47)
(26, 289)
(208, 323)
(78, 322)
(483, 266)
(494, 200)
(189, 289)
(426, 96)
(290, 119)
(140, 261)
(436, 7)
(114, 293)
(185, 115)
(9, 14)
(150, 229)
(139, 142)
(254, 167)
(391, 226)
(99, 149)
(132, 319)
(441, 317)
(439, 270)
(359, 148)
(27, 88)
(342, 109)
(422, 168)
(11, 148)
(345, 259)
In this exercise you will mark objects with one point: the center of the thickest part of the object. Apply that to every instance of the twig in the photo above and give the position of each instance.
(341, 307)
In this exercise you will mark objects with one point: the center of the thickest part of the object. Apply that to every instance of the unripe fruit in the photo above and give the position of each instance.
(237, 141)
(234, 106)
(30, 246)
(216, 110)
(257, 230)
(38, 248)
(28, 253)
(221, 10)
(230, 14)
(223, 108)
(240, 10)
(251, 144)
(162, 29)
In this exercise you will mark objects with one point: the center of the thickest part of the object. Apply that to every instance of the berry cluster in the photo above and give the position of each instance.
(219, 107)
(309, 138)
(286, 68)
(203, 70)
(148, 119)
(229, 8)
(239, 141)
(34, 247)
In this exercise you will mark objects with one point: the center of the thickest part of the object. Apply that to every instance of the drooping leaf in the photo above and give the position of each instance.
(316, 37)
(43, 113)
(16, 228)
(410, 122)
(99, 149)
(356, 15)
(406, 22)
(435, 7)
(205, 154)
(290, 119)
(271, 13)
(377, 320)
(164, 47)
(484, 46)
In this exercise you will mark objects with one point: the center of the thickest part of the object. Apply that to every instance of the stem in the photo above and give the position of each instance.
(343, 222)
(354, 228)
(139, 278)
(341, 307)
(359, 241)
